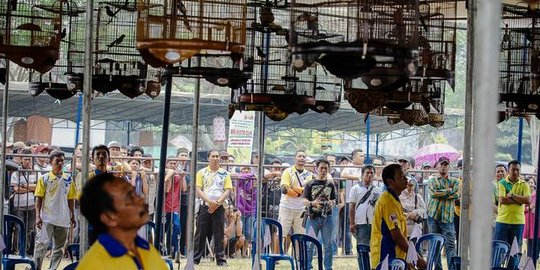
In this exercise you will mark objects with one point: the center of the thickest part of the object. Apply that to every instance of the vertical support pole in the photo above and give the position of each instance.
(3, 170)
(128, 132)
(163, 159)
(78, 121)
(368, 131)
(377, 144)
(520, 139)
(536, 222)
(485, 100)
(87, 112)
(258, 231)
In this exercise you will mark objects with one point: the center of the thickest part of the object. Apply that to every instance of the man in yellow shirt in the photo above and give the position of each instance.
(116, 216)
(213, 185)
(514, 194)
(389, 228)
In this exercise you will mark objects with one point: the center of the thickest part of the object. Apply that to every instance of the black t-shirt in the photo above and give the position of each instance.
(313, 189)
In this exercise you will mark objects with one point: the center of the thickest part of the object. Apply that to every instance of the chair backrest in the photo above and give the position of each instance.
(363, 254)
(300, 250)
(499, 254)
(74, 252)
(434, 243)
(71, 266)
(513, 261)
(394, 264)
(270, 223)
(10, 220)
(455, 263)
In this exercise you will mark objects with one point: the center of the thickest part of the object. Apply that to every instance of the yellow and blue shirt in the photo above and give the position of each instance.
(388, 216)
(108, 254)
(512, 213)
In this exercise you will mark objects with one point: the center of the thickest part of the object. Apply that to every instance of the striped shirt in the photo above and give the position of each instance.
(443, 192)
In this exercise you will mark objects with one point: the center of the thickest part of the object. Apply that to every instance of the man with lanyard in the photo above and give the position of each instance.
(361, 201)
(514, 194)
(213, 185)
(55, 202)
(443, 191)
(354, 174)
(291, 205)
(320, 197)
(388, 237)
(117, 216)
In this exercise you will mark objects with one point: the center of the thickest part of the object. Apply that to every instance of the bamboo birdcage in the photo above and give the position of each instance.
(172, 31)
(31, 32)
(520, 61)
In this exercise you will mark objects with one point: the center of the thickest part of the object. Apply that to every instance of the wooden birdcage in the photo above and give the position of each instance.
(172, 31)
(31, 32)
(520, 61)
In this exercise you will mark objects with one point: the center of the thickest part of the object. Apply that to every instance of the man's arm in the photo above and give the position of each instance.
(347, 175)
(39, 203)
(437, 191)
(352, 214)
(71, 205)
(399, 239)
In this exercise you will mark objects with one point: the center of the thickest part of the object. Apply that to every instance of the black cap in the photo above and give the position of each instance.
(404, 160)
(443, 159)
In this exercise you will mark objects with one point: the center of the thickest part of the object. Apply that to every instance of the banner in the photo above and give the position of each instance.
(241, 129)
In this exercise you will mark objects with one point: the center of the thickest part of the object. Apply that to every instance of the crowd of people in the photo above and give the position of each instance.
(332, 198)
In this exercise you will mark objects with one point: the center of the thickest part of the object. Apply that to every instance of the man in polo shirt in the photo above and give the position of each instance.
(291, 205)
(213, 185)
(55, 199)
(514, 194)
(443, 191)
(116, 217)
(388, 235)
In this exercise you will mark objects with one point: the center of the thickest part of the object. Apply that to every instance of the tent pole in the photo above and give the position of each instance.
(3, 170)
(520, 139)
(536, 224)
(485, 100)
(368, 131)
(258, 231)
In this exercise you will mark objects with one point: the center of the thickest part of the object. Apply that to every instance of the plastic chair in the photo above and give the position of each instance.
(513, 261)
(71, 266)
(267, 254)
(395, 264)
(499, 253)
(9, 261)
(300, 242)
(363, 255)
(455, 263)
(73, 252)
(434, 243)
(150, 224)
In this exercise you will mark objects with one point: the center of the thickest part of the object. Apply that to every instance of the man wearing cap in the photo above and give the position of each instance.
(41, 163)
(183, 167)
(514, 194)
(406, 165)
(354, 174)
(444, 190)
(116, 164)
(213, 185)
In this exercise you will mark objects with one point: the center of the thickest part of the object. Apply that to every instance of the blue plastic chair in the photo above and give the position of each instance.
(513, 261)
(301, 242)
(455, 263)
(73, 252)
(71, 266)
(267, 255)
(395, 264)
(499, 254)
(363, 255)
(150, 224)
(9, 261)
(435, 243)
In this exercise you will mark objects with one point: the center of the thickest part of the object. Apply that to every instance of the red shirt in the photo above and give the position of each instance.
(172, 199)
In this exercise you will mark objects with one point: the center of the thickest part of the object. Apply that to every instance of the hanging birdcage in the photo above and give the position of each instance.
(172, 31)
(520, 61)
(31, 32)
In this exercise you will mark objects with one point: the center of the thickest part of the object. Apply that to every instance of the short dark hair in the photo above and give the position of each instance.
(501, 165)
(210, 152)
(356, 151)
(32, 141)
(514, 162)
(100, 147)
(25, 151)
(95, 200)
(56, 153)
(367, 167)
(276, 160)
(298, 151)
(329, 155)
(389, 171)
(319, 161)
(136, 149)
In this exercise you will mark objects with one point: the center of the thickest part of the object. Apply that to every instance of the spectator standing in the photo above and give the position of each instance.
(270, 200)
(174, 184)
(362, 199)
(41, 164)
(146, 164)
(213, 186)
(335, 173)
(528, 231)
(319, 198)
(233, 239)
(183, 168)
(443, 191)
(353, 174)
(55, 199)
(414, 207)
(514, 194)
(246, 202)
(500, 173)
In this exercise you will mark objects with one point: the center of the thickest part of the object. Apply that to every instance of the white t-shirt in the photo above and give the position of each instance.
(23, 200)
(55, 193)
(354, 171)
(364, 212)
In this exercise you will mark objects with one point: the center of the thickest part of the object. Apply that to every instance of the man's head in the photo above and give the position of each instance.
(26, 162)
(514, 169)
(118, 206)
(323, 167)
(331, 158)
(32, 144)
(426, 166)
(101, 155)
(300, 158)
(171, 164)
(255, 158)
(56, 159)
(443, 165)
(114, 148)
(405, 164)
(394, 178)
(182, 152)
(42, 150)
(213, 157)
(500, 172)
(223, 156)
(276, 162)
(357, 156)
(136, 151)
(147, 163)
(344, 161)
(368, 172)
